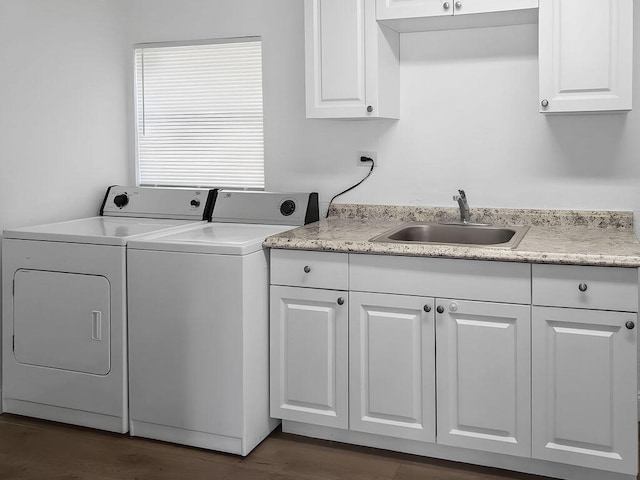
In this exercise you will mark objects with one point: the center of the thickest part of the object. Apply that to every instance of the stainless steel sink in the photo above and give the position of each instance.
(454, 234)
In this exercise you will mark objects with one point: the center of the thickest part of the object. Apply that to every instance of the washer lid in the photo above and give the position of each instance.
(97, 230)
(219, 238)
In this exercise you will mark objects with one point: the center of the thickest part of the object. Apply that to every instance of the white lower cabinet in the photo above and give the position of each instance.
(584, 388)
(392, 366)
(483, 371)
(449, 358)
(309, 348)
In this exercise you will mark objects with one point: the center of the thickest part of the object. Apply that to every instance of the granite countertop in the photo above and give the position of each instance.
(598, 238)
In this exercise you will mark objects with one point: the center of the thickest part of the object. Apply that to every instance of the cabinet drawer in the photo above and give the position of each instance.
(300, 268)
(599, 288)
(439, 277)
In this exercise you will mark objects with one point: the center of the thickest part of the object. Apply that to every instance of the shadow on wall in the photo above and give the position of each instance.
(590, 145)
(473, 45)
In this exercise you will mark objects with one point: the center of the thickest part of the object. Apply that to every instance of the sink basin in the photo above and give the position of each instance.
(454, 234)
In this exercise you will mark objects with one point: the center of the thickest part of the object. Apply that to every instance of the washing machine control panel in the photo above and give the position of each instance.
(273, 208)
(147, 202)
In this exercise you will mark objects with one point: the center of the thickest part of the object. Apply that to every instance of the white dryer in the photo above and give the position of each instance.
(64, 306)
(199, 325)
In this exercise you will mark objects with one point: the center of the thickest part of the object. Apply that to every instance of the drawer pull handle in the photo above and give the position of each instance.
(440, 309)
(427, 308)
(582, 287)
(340, 301)
(307, 269)
(630, 325)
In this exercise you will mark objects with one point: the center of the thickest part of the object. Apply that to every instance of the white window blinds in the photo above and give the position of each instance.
(199, 114)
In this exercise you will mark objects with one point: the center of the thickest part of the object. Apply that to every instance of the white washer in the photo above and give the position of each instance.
(199, 327)
(64, 306)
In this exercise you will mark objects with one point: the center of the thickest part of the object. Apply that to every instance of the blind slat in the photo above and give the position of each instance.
(200, 115)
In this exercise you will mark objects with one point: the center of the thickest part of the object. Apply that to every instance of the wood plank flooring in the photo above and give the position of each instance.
(39, 450)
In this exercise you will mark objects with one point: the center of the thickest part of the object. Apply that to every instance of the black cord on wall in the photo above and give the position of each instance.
(362, 159)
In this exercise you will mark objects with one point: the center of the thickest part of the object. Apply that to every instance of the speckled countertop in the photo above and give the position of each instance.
(599, 238)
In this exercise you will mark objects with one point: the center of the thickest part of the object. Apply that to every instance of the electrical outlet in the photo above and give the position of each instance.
(372, 155)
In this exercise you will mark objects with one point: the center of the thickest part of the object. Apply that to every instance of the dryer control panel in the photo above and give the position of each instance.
(269, 208)
(149, 202)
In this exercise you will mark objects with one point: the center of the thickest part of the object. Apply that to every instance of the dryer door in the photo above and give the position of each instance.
(62, 320)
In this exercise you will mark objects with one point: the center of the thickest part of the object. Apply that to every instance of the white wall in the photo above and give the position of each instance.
(469, 117)
(63, 136)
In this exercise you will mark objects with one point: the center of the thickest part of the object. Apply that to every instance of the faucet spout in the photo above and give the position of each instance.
(461, 198)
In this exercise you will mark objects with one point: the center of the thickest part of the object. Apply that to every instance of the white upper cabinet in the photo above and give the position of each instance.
(352, 62)
(418, 15)
(392, 9)
(586, 55)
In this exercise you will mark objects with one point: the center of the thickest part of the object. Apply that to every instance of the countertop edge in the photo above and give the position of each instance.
(454, 252)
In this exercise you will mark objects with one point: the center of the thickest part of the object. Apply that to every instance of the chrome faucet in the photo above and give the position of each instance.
(461, 198)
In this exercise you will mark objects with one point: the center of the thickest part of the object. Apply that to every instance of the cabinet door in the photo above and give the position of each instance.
(483, 372)
(335, 58)
(394, 9)
(309, 349)
(399, 9)
(468, 7)
(392, 366)
(351, 62)
(62, 321)
(585, 50)
(584, 388)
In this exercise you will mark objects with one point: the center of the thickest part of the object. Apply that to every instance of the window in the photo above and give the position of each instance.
(199, 114)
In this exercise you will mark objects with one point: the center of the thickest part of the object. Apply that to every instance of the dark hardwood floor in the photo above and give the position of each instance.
(33, 449)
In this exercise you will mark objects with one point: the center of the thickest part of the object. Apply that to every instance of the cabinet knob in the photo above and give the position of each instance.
(369, 108)
(307, 269)
(440, 309)
(582, 287)
(458, 5)
(446, 5)
(630, 325)
(544, 103)
(340, 301)
(427, 308)
(453, 307)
